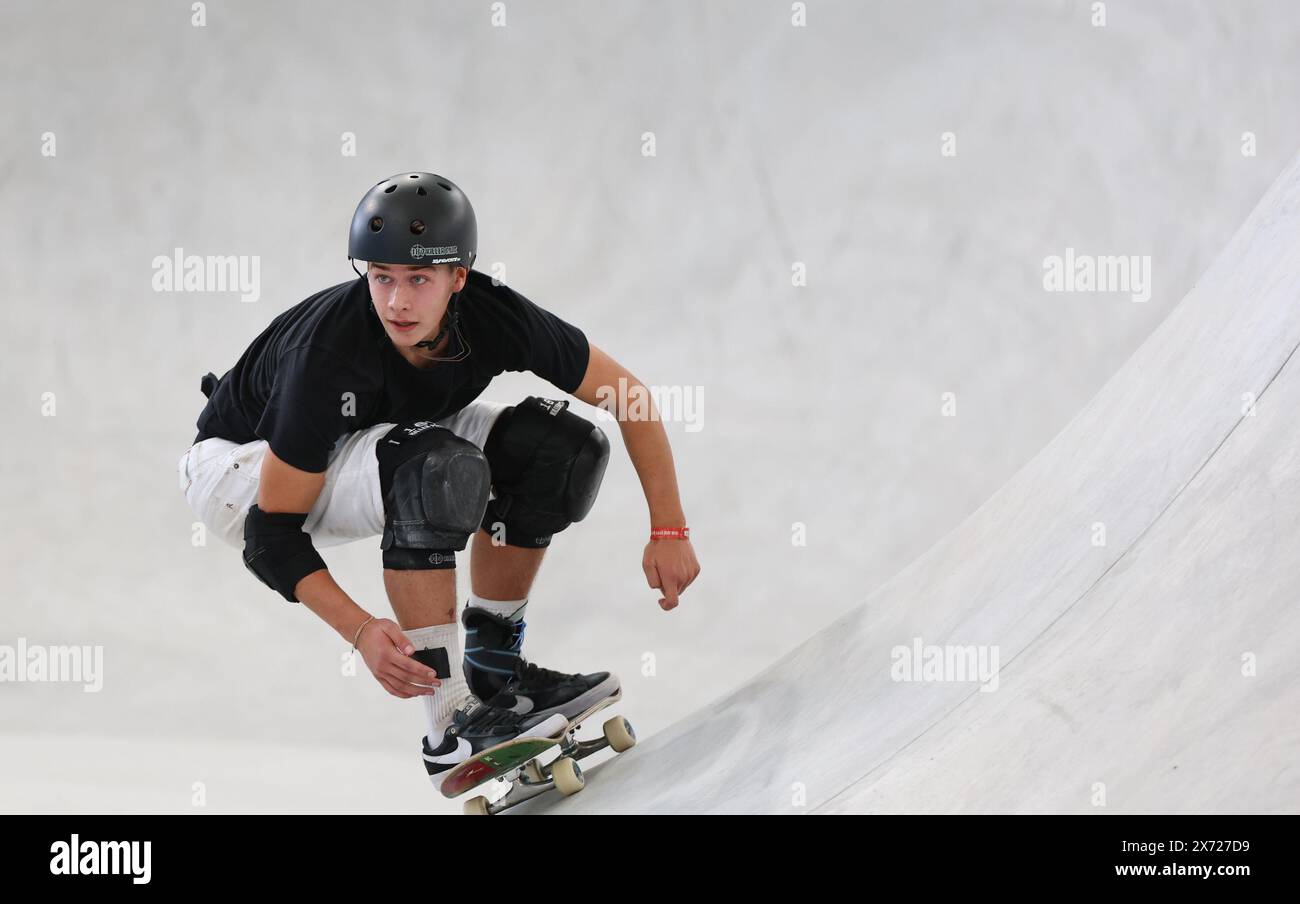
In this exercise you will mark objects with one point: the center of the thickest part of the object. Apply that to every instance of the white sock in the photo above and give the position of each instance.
(453, 693)
(511, 609)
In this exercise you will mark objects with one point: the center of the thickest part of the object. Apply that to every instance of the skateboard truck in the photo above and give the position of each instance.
(534, 778)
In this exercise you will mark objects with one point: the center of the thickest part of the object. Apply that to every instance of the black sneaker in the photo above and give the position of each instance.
(493, 646)
(478, 727)
(497, 672)
(539, 693)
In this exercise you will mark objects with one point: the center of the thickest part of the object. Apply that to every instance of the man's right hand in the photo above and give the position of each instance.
(387, 653)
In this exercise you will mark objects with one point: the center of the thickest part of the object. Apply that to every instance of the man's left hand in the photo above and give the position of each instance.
(670, 566)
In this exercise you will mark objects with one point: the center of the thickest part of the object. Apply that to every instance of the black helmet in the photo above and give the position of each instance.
(414, 218)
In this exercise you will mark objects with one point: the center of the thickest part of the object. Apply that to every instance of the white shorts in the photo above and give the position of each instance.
(219, 479)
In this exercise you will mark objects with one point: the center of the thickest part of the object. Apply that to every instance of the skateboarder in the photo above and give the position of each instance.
(354, 415)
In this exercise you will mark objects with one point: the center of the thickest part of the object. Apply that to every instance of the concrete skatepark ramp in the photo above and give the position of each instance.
(1135, 586)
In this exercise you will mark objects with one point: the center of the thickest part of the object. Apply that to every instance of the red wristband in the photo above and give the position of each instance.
(670, 533)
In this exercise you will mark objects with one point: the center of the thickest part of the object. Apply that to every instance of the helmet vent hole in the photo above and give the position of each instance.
(417, 227)
(376, 224)
(445, 185)
(413, 176)
(390, 189)
(421, 190)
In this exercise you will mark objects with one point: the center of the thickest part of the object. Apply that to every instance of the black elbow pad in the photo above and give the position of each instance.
(278, 551)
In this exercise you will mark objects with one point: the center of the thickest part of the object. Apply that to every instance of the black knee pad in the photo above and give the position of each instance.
(435, 487)
(547, 465)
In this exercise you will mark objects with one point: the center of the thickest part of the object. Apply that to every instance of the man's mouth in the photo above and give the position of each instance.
(403, 326)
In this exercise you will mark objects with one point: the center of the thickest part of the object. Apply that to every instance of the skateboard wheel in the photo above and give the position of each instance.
(533, 772)
(568, 776)
(476, 806)
(619, 734)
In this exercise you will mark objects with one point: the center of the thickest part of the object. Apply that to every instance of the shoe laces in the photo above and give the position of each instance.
(530, 674)
(484, 713)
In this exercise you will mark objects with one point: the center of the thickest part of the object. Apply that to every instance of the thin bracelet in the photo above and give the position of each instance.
(356, 637)
(670, 533)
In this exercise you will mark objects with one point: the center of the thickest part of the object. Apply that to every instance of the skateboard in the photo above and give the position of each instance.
(517, 763)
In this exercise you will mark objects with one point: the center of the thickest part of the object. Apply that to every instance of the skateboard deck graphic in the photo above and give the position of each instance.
(494, 761)
(516, 762)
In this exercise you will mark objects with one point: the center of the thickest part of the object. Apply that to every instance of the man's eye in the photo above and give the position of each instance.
(421, 279)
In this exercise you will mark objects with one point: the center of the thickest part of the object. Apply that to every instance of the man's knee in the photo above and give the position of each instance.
(547, 466)
(435, 487)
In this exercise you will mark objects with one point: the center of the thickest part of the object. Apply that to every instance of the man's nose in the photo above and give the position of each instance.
(397, 300)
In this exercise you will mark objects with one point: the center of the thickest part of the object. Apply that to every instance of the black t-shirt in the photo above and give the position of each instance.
(325, 367)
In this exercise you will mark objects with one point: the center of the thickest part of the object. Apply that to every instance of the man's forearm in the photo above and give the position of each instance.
(645, 438)
(652, 456)
(319, 593)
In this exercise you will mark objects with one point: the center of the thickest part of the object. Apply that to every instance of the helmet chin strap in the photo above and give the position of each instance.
(431, 344)
(450, 322)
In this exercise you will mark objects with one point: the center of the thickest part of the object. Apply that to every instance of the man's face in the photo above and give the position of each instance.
(411, 300)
